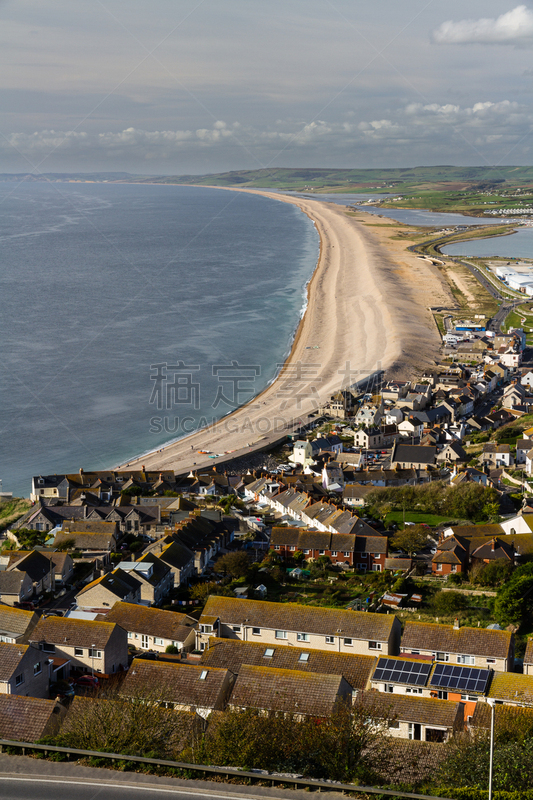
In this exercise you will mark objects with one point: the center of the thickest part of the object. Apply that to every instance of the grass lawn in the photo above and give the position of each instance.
(11, 510)
(416, 516)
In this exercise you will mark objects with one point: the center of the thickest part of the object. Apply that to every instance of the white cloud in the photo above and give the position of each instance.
(510, 28)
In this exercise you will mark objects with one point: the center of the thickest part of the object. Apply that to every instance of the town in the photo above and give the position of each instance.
(381, 557)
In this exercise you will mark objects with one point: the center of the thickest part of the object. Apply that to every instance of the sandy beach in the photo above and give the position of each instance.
(367, 311)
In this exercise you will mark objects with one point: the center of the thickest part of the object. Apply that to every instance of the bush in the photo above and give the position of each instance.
(448, 604)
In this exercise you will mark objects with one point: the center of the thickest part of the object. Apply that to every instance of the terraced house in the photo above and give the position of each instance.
(152, 628)
(475, 647)
(296, 625)
(362, 552)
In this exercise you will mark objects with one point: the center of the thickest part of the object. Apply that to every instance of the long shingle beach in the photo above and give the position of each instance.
(367, 311)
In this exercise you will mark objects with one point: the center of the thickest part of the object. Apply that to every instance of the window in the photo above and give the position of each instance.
(37, 668)
(471, 697)
(236, 628)
(276, 547)
(7, 639)
(374, 645)
(48, 648)
(93, 653)
(348, 642)
(330, 640)
(206, 628)
(203, 675)
(256, 631)
(413, 690)
(19, 679)
(302, 637)
(321, 552)
(376, 567)
(346, 554)
(442, 695)
(130, 634)
(333, 552)
(388, 687)
(394, 723)
(441, 656)
(78, 651)
(439, 567)
(269, 652)
(304, 658)
(454, 567)
(491, 660)
(281, 634)
(292, 548)
(306, 552)
(415, 652)
(159, 641)
(461, 659)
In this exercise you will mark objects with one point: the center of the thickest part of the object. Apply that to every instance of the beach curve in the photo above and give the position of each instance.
(360, 319)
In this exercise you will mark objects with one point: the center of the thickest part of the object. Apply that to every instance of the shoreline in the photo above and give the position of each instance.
(351, 321)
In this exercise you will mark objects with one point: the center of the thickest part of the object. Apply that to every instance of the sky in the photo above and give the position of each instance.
(199, 86)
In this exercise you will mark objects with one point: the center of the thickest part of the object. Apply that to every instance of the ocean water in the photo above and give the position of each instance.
(131, 314)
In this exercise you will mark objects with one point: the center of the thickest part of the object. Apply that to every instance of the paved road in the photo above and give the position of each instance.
(25, 778)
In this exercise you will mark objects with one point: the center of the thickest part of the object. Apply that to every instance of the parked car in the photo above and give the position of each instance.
(62, 689)
(88, 681)
(27, 605)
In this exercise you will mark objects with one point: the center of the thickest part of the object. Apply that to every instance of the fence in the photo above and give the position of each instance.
(204, 771)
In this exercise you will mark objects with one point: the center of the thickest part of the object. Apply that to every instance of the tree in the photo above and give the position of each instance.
(515, 600)
(201, 591)
(447, 604)
(411, 538)
(235, 564)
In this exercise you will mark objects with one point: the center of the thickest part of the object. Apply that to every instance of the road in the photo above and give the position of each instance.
(25, 778)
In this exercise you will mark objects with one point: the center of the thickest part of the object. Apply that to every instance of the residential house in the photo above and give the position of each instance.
(15, 587)
(233, 653)
(85, 645)
(332, 477)
(512, 688)
(153, 574)
(292, 624)
(408, 456)
(417, 717)
(184, 687)
(39, 569)
(355, 494)
(289, 692)
(177, 556)
(497, 455)
(521, 523)
(16, 625)
(411, 428)
(23, 670)
(91, 538)
(452, 453)
(355, 550)
(528, 658)
(476, 647)
(368, 438)
(105, 591)
(523, 446)
(29, 719)
(152, 628)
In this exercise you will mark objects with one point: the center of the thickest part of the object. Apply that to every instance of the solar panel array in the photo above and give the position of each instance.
(463, 679)
(414, 673)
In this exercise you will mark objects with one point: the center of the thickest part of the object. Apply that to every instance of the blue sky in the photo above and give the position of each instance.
(198, 86)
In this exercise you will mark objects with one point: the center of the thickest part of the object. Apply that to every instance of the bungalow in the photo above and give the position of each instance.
(477, 647)
(152, 628)
(291, 624)
(183, 687)
(289, 692)
(85, 645)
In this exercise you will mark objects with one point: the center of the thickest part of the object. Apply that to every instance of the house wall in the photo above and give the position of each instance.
(159, 644)
(107, 661)
(33, 684)
(267, 636)
(483, 662)
(100, 597)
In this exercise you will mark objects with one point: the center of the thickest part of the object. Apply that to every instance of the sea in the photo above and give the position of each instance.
(133, 314)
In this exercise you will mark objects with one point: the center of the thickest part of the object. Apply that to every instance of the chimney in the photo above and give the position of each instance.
(456, 624)
(493, 545)
(81, 470)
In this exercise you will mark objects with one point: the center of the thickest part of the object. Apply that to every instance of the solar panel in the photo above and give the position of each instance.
(392, 670)
(464, 679)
